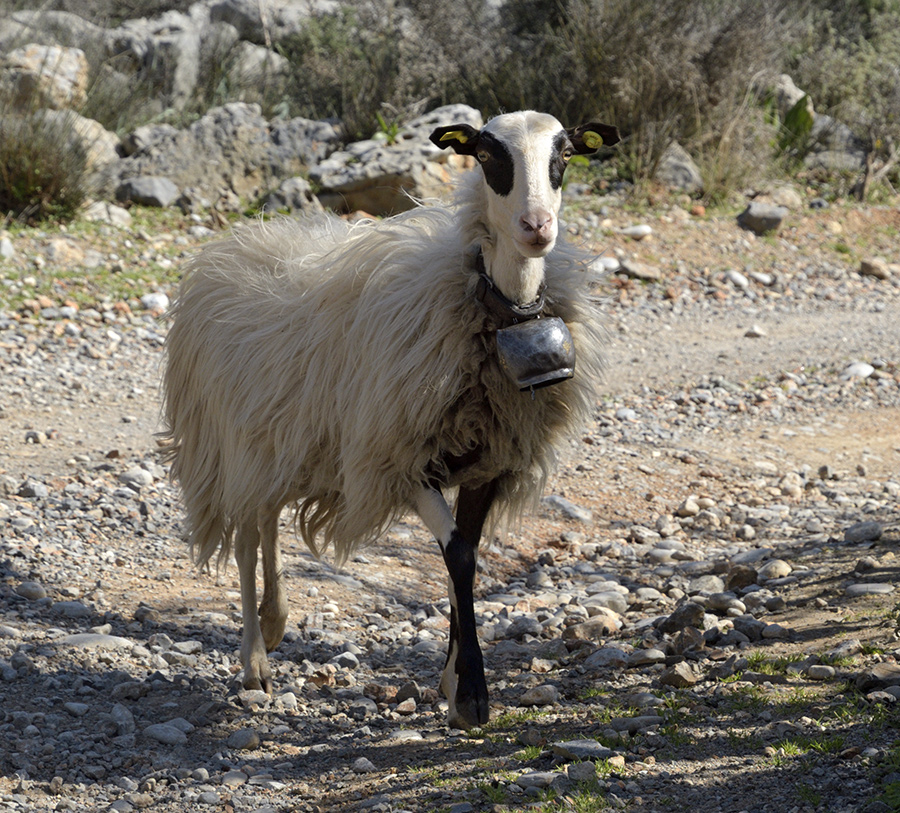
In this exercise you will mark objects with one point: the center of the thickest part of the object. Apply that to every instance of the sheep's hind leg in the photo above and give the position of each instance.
(463, 681)
(257, 672)
(273, 610)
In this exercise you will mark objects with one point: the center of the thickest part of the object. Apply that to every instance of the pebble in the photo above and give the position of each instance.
(581, 750)
(869, 589)
(166, 734)
(681, 579)
(867, 531)
(544, 695)
(363, 765)
(31, 590)
(638, 232)
(244, 739)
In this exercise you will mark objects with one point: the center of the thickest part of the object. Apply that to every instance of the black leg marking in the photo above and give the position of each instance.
(464, 659)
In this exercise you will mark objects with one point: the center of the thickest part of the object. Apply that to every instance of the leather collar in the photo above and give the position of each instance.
(495, 303)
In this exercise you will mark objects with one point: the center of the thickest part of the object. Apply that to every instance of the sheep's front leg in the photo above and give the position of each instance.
(463, 681)
(257, 673)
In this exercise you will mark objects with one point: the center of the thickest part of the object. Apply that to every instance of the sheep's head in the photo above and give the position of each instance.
(523, 157)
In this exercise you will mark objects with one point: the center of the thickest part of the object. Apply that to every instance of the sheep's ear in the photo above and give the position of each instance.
(591, 137)
(462, 137)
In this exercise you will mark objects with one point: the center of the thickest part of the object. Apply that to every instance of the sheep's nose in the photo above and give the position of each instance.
(535, 222)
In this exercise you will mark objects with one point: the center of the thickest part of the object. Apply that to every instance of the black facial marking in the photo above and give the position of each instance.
(497, 163)
(561, 145)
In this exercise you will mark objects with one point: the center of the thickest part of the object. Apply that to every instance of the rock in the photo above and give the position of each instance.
(774, 569)
(689, 614)
(637, 232)
(878, 676)
(537, 779)
(363, 765)
(866, 531)
(72, 609)
(148, 190)
(232, 148)
(859, 369)
(90, 640)
(607, 657)
(99, 146)
(244, 739)
(677, 170)
(581, 772)
(646, 657)
(820, 671)
(786, 196)
(137, 478)
(103, 212)
(277, 20)
(787, 95)
(45, 76)
(688, 508)
(166, 734)
(526, 625)
(157, 302)
(545, 695)
(293, 195)
(581, 750)
(567, 508)
(409, 690)
(640, 271)
(761, 218)
(380, 178)
(681, 676)
(869, 589)
(31, 591)
(875, 267)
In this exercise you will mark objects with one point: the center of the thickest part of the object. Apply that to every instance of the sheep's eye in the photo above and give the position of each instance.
(567, 154)
(482, 156)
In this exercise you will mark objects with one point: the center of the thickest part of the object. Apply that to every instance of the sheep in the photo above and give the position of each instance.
(352, 373)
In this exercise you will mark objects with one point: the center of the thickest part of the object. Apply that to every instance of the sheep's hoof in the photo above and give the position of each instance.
(469, 712)
(258, 680)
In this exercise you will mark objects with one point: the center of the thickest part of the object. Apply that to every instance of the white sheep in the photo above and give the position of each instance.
(352, 372)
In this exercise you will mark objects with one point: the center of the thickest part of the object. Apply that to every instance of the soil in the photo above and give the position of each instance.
(713, 753)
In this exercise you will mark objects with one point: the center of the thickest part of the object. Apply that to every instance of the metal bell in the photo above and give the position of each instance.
(537, 353)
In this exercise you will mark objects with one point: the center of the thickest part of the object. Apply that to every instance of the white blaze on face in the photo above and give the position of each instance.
(523, 156)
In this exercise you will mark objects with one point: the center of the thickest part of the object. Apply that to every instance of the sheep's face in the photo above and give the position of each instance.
(523, 157)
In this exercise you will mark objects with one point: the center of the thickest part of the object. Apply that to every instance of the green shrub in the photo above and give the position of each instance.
(42, 173)
(849, 64)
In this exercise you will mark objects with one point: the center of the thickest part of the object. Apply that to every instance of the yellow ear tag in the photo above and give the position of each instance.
(455, 135)
(592, 140)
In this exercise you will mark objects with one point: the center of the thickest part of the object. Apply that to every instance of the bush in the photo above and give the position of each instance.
(42, 174)
(680, 70)
(852, 72)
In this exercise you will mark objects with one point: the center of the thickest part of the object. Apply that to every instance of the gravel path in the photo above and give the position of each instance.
(701, 615)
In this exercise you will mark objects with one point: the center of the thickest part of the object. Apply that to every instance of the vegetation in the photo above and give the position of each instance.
(42, 173)
(694, 71)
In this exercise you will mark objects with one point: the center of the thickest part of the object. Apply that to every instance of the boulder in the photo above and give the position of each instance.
(677, 170)
(148, 190)
(787, 94)
(294, 195)
(254, 66)
(45, 76)
(99, 146)
(232, 151)
(386, 178)
(761, 218)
